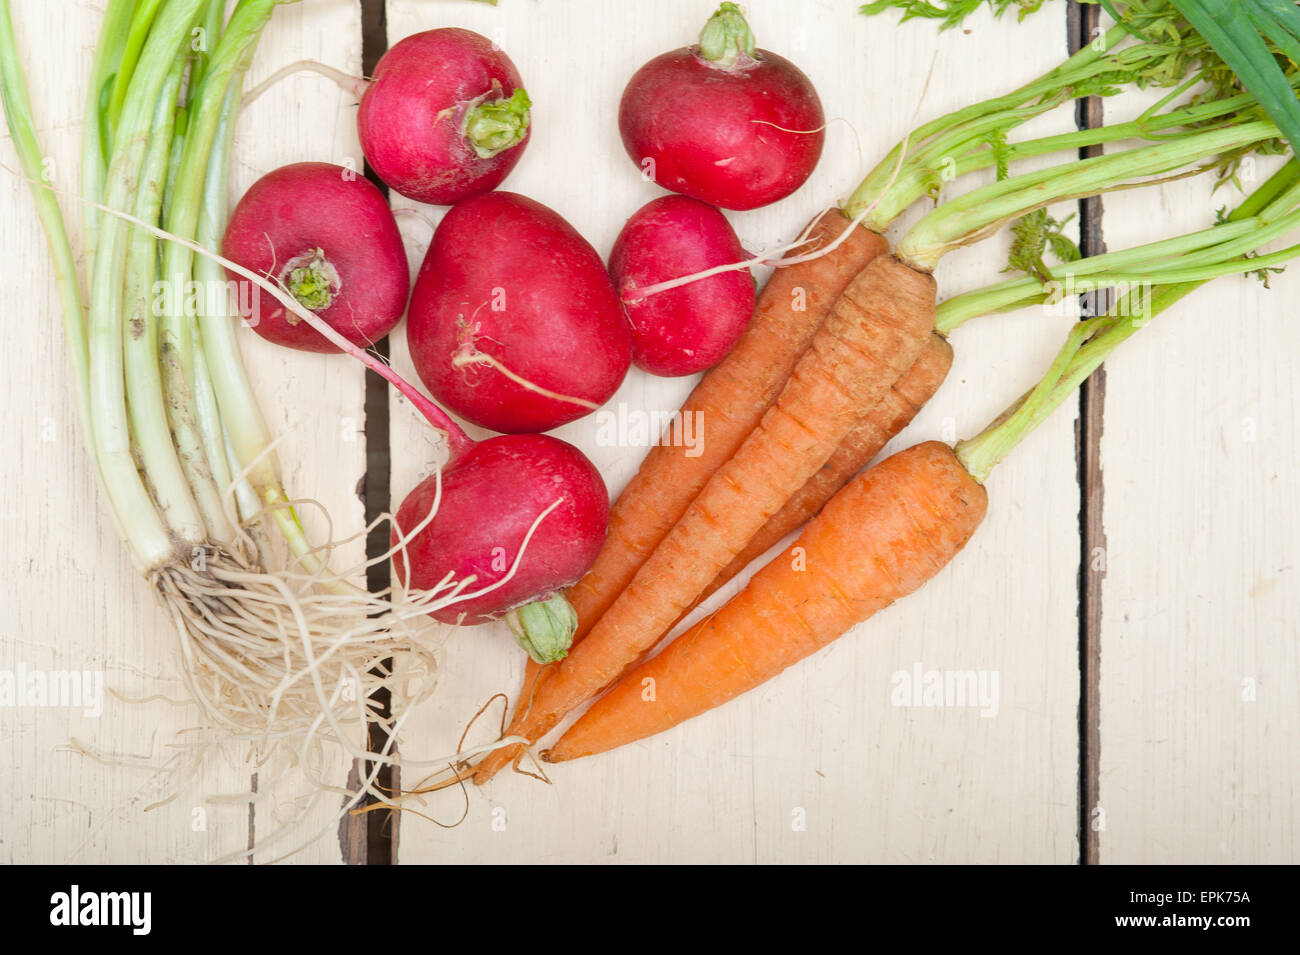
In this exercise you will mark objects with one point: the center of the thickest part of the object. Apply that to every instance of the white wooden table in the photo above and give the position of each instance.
(1196, 754)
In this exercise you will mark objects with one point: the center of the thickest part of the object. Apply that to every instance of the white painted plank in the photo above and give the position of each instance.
(71, 598)
(1200, 761)
(822, 742)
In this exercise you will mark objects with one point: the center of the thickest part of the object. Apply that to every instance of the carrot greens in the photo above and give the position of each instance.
(1269, 213)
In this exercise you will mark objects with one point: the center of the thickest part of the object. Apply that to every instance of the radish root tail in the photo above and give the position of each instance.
(467, 353)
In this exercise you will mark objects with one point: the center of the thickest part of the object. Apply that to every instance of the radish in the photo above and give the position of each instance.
(491, 493)
(514, 323)
(500, 529)
(328, 237)
(445, 116)
(682, 330)
(724, 122)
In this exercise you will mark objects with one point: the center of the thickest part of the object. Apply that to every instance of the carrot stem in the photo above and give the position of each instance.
(1086, 63)
(974, 137)
(974, 215)
(1196, 257)
(1090, 342)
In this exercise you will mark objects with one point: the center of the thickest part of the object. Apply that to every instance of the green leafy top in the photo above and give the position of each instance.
(1033, 236)
(1231, 45)
(1259, 40)
(1153, 45)
(951, 12)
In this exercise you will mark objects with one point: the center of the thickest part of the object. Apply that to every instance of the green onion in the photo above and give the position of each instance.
(96, 144)
(224, 72)
(144, 395)
(18, 113)
(266, 650)
(141, 22)
(130, 498)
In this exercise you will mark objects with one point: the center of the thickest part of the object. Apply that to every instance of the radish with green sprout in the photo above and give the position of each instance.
(685, 329)
(501, 528)
(186, 463)
(723, 121)
(504, 524)
(679, 521)
(485, 503)
(328, 236)
(445, 116)
(514, 323)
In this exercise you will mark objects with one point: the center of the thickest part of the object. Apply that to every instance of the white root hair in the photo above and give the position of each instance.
(285, 665)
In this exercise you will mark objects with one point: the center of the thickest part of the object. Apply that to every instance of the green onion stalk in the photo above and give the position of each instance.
(145, 399)
(282, 654)
(198, 450)
(97, 134)
(142, 510)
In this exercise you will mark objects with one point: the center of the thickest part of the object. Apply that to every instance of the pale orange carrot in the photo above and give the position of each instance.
(876, 330)
(723, 408)
(894, 413)
(884, 535)
(728, 403)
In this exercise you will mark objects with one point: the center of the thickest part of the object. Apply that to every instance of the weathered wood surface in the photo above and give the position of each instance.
(817, 765)
(1200, 756)
(1198, 707)
(71, 598)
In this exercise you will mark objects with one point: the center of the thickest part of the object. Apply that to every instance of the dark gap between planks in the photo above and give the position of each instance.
(1082, 23)
(371, 838)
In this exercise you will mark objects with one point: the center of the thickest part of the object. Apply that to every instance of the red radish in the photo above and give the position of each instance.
(723, 121)
(683, 330)
(492, 492)
(507, 522)
(523, 514)
(514, 323)
(445, 116)
(327, 236)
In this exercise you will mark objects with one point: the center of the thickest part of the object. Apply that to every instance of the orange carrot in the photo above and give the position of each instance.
(728, 403)
(883, 536)
(876, 330)
(894, 413)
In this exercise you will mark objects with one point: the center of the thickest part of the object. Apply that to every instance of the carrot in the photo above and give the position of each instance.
(876, 330)
(644, 515)
(876, 429)
(953, 224)
(883, 536)
(901, 521)
(728, 402)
